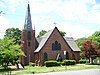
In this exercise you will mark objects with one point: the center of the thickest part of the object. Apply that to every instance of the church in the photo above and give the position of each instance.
(51, 46)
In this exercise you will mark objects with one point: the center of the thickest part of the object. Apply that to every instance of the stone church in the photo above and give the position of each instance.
(51, 46)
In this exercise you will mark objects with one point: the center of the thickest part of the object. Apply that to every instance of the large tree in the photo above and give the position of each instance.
(9, 52)
(96, 38)
(89, 50)
(80, 41)
(14, 33)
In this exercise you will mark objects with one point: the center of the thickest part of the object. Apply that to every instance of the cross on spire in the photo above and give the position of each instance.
(55, 24)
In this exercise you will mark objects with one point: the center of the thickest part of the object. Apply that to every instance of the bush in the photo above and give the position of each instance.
(68, 62)
(82, 61)
(32, 64)
(52, 63)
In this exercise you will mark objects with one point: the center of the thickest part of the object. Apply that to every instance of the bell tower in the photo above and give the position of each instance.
(27, 39)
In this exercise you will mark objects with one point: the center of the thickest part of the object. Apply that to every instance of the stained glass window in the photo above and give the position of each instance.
(56, 46)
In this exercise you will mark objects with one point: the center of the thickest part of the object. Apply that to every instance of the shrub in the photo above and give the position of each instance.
(52, 63)
(68, 62)
(58, 63)
(32, 64)
(82, 61)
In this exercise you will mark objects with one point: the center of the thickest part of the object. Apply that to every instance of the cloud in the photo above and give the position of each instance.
(72, 16)
(13, 4)
(4, 24)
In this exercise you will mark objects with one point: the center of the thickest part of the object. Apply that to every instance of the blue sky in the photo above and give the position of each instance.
(78, 18)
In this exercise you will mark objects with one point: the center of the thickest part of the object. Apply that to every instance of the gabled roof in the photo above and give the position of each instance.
(69, 40)
(42, 40)
(72, 43)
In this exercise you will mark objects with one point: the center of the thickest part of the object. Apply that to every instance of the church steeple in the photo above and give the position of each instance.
(28, 23)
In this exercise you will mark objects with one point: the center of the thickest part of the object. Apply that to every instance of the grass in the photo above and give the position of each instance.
(30, 70)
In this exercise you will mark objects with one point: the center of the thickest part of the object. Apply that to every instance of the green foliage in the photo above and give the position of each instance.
(68, 62)
(41, 33)
(82, 61)
(62, 33)
(96, 38)
(51, 63)
(80, 41)
(32, 64)
(9, 52)
(14, 33)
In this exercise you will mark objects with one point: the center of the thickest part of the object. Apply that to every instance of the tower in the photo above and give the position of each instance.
(27, 40)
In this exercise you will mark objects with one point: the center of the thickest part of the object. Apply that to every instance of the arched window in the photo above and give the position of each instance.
(59, 47)
(67, 55)
(29, 36)
(56, 46)
(45, 56)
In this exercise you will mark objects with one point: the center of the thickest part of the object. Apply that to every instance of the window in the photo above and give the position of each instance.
(56, 46)
(28, 44)
(67, 55)
(45, 56)
(29, 36)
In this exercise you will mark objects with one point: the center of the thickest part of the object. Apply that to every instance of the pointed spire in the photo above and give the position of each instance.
(28, 23)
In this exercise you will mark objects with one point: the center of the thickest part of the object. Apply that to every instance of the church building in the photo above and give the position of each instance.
(51, 46)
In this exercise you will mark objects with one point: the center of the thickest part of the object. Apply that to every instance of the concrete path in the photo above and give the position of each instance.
(79, 72)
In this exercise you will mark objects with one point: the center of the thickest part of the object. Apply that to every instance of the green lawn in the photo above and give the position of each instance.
(29, 70)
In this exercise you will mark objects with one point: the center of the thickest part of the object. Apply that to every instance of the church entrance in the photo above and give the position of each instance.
(59, 58)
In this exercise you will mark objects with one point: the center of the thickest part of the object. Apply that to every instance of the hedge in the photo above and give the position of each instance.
(32, 64)
(82, 61)
(52, 63)
(68, 62)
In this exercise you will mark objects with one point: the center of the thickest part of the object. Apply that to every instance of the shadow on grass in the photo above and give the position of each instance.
(5, 71)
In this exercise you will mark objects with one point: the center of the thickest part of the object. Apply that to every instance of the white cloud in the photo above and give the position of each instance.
(76, 31)
(12, 4)
(4, 24)
(69, 10)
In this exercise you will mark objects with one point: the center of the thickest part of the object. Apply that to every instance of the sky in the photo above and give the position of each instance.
(78, 18)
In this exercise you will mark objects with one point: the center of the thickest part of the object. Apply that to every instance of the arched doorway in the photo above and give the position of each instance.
(59, 58)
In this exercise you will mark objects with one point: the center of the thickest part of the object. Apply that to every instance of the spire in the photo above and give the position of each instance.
(28, 23)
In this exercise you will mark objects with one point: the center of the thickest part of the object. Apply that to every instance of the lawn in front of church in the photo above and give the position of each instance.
(31, 70)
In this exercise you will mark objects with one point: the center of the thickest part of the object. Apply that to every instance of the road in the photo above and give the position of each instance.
(78, 72)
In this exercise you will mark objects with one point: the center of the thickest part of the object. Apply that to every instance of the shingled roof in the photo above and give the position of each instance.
(69, 40)
(72, 43)
(42, 40)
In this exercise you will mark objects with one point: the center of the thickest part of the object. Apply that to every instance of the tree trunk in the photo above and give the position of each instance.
(17, 65)
(91, 60)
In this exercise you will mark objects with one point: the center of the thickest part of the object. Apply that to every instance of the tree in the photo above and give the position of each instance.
(14, 33)
(9, 52)
(80, 41)
(42, 32)
(89, 50)
(62, 33)
(96, 38)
